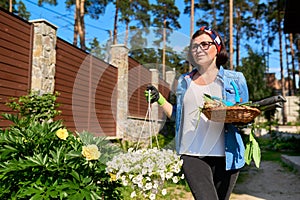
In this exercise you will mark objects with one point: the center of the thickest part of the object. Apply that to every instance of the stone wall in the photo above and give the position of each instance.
(142, 130)
(291, 108)
(43, 56)
(119, 59)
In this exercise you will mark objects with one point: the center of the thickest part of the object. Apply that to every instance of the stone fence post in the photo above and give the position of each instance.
(43, 56)
(119, 59)
(170, 79)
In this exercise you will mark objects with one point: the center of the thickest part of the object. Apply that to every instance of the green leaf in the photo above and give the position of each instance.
(10, 148)
(57, 156)
(256, 153)
(38, 159)
(252, 150)
(251, 135)
(94, 195)
(31, 191)
(78, 196)
(207, 98)
(73, 154)
(248, 153)
(75, 175)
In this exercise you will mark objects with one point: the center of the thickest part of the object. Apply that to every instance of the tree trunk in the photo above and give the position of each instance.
(268, 46)
(76, 22)
(82, 26)
(192, 25)
(262, 40)
(192, 18)
(284, 118)
(127, 26)
(298, 47)
(293, 63)
(126, 33)
(115, 24)
(164, 51)
(237, 38)
(10, 6)
(288, 67)
(231, 33)
(214, 13)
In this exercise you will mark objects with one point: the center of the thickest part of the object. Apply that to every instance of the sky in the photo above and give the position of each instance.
(63, 20)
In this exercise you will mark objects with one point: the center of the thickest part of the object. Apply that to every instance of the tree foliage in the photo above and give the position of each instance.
(254, 69)
(18, 8)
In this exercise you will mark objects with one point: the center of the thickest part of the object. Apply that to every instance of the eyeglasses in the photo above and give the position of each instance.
(203, 45)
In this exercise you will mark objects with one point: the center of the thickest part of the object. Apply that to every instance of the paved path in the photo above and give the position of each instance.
(270, 182)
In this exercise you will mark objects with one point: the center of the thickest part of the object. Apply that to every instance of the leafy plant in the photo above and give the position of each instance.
(41, 159)
(41, 107)
(252, 150)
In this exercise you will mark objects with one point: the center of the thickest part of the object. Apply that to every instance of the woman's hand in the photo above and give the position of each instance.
(155, 96)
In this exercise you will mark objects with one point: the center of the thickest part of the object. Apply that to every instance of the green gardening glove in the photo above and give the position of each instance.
(155, 96)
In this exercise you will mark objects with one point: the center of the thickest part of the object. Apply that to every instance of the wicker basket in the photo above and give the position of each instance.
(231, 114)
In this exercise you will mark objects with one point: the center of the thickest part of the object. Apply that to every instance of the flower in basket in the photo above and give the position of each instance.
(146, 170)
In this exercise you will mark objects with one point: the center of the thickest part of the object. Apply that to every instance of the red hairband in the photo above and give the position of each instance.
(213, 36)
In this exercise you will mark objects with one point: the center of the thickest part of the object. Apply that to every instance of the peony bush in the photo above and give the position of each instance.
(41, 159)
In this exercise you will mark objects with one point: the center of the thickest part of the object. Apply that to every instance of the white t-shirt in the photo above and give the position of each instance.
(200, 136)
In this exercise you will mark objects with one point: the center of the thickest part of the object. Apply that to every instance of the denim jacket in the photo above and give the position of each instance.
(235, 90)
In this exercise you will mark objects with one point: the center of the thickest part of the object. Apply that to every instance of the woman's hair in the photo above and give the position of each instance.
(222, 55)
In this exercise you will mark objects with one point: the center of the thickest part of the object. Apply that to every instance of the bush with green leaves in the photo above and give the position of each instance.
(41, 159)
(42, 107)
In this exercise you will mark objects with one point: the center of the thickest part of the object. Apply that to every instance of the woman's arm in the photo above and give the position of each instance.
(168, 108)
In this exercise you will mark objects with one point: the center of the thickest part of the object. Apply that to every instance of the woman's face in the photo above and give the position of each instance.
(203, 50)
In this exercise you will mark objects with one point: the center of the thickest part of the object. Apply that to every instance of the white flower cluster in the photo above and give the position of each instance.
(146, 170)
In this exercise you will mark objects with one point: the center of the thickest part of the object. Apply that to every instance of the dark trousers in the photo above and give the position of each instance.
(207, 177)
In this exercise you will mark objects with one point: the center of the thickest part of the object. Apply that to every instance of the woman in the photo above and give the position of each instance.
(212, 152)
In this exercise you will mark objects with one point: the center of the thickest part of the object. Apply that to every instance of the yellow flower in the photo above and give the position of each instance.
(62, 133)
(91, 152)
(113, 177)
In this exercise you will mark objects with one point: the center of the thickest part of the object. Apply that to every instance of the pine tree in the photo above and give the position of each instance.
(17, 8)
(166, 16)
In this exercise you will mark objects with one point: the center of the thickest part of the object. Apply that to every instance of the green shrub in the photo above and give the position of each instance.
(41, 107)
(41, 159)
(280, 144)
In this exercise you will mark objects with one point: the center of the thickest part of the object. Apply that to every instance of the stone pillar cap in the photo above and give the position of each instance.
(119, 45)
(45, 21)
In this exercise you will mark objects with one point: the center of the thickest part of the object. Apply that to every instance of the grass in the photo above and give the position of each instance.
(271, 156)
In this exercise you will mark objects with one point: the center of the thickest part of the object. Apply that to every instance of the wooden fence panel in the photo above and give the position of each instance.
(86, 85)
(15, 59)
(138, 79)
